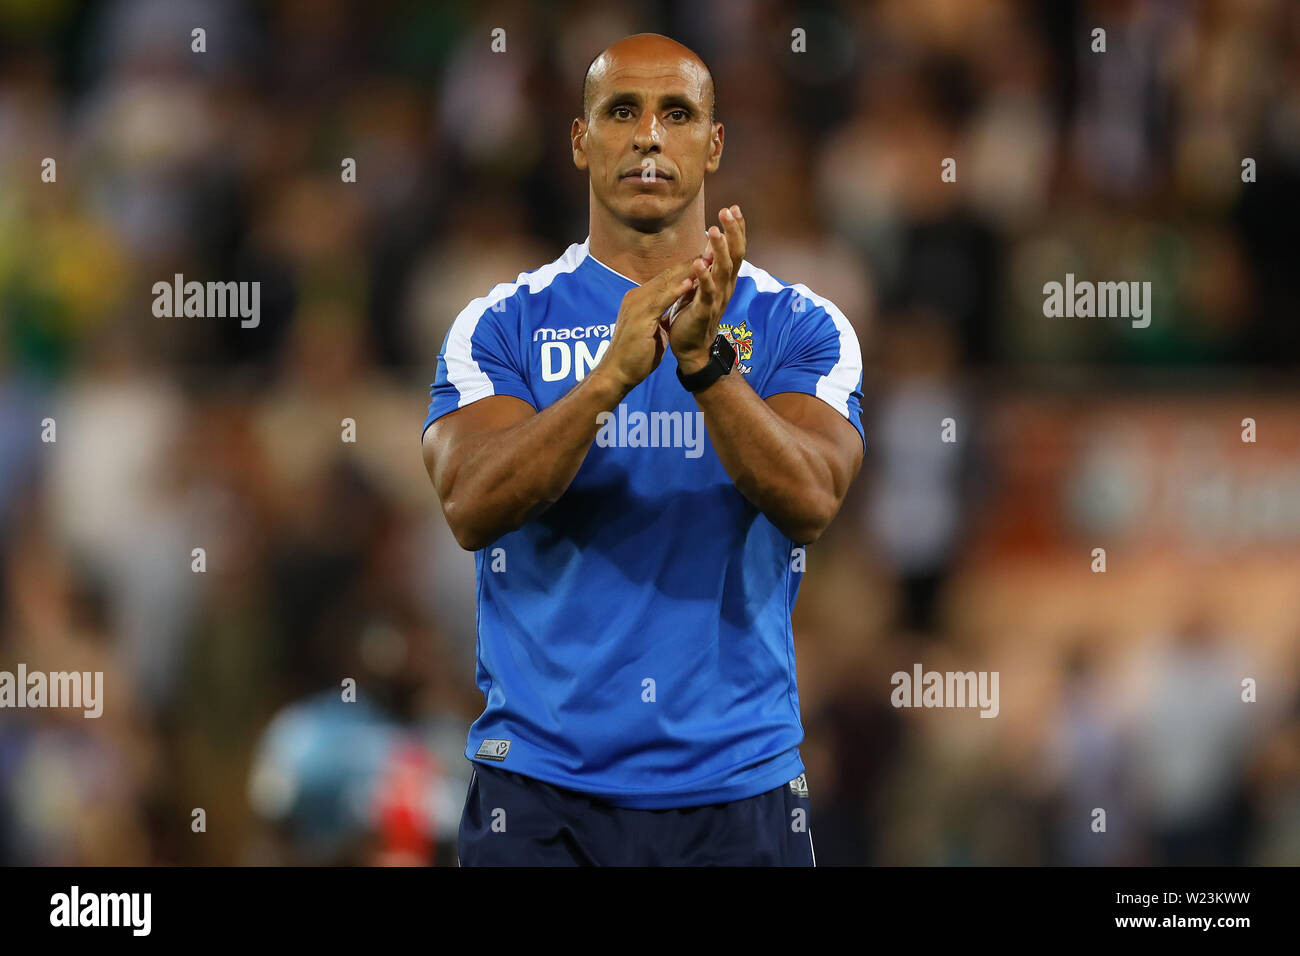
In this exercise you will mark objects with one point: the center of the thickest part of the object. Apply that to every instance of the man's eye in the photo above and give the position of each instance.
(679, 115)
(621, 109)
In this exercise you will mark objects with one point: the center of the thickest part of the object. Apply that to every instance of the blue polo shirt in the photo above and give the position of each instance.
(634, 640)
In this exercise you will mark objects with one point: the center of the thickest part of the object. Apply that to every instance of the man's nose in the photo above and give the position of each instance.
(649, 133)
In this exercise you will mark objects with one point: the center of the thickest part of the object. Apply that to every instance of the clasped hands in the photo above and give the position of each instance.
(691, 324)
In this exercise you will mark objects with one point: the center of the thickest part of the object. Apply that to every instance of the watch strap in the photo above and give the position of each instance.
(714, 369)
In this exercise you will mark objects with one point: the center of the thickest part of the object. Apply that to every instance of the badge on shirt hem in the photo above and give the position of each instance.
(493, 749)
(799, 785)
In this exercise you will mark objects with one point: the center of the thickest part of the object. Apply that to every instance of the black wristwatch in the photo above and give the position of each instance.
(722, 359)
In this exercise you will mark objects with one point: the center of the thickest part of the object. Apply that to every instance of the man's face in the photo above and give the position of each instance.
(648, 141)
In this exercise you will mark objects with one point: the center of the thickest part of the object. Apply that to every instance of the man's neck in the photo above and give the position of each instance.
(643, 255)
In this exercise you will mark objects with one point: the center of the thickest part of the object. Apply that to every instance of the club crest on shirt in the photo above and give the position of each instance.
(742, 338)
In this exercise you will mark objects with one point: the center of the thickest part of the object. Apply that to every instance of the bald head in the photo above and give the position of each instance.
(647, 53)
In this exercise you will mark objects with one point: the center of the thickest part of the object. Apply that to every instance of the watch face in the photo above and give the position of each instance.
(726, 350)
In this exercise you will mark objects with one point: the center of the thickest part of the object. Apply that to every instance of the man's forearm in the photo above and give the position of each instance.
(509, 477)
(773, 464)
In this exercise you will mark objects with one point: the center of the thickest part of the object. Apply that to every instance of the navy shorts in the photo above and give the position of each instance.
(513, 820)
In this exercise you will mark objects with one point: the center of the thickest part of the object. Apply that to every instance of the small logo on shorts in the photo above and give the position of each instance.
(799, 785)
(493, 749)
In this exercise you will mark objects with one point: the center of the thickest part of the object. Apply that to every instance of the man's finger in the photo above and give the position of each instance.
(674, 272)
(721, 254)
(670, 278)
(708, 291)
(670, 292)
(734, 226)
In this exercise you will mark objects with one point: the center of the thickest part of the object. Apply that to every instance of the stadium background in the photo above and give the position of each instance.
(328, 559)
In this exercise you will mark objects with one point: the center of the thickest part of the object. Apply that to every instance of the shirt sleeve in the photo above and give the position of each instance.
(820, 357)
(479, 358)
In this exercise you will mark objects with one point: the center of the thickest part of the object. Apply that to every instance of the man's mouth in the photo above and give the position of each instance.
(648, 176)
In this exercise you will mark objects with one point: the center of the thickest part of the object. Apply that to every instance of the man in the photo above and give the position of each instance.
(638, 525)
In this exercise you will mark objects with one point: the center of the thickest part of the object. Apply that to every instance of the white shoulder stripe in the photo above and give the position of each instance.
(836, 385)
(470, 381)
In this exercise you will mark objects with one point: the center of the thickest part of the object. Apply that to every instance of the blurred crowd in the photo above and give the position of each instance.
(208, 530)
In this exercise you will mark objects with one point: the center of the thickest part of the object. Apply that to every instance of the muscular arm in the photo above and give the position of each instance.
(499, 463)
(792, 456)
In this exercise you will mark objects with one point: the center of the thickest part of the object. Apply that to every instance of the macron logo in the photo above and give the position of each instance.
(560, 358)
(577, 332)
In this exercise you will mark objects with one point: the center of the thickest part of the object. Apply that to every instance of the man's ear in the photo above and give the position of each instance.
(578, 137)
(715, 150)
